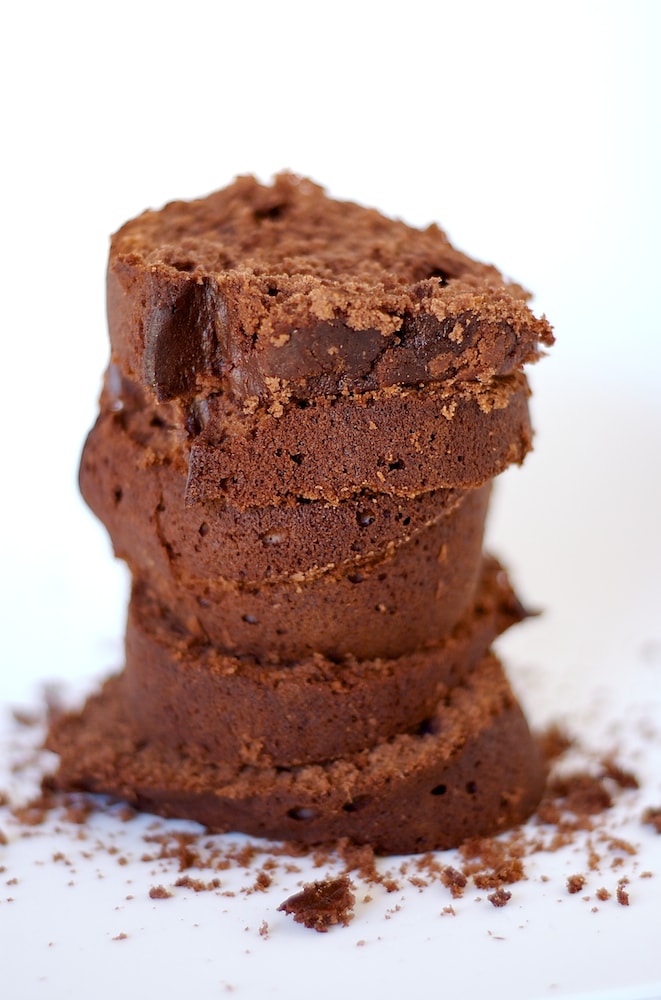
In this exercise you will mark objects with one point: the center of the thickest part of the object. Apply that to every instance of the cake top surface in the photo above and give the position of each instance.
(292, 228)
(257, 283)
(293, 233)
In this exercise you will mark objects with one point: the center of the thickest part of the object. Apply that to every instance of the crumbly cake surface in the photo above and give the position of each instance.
(264, 291)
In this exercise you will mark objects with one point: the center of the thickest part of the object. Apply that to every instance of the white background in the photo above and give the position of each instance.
(529, 131)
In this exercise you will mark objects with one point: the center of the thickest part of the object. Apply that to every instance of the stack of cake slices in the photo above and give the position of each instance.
(304, 410)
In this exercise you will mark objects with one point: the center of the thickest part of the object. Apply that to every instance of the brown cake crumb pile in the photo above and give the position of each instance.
(574, 817)
(320, 905)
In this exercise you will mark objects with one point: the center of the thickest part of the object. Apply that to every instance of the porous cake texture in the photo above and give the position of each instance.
(305, 406)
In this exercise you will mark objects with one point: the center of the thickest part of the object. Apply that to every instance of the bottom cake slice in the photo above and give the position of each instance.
(472, 770)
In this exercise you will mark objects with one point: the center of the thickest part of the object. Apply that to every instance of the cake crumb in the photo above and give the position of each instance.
(622, 895)
(652, 817)
(196, 884)
(575, 883)
(500, 897)
(321, 904)
(159, 892)
(454, 880)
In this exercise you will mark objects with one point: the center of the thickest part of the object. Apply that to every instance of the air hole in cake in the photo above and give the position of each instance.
(364, 518)
(250, 619)
(439, 790)
(272, 291)
(203, 529)
(274, 538)
(425, 728)
(157, 422)
(298, 458)
(302, 813)
(397, 464)
(441, 275)
(118, 494)
(360, 802)
(274, 212)
(355, 578)
(406, 521)
(471, 787)
(382, 577)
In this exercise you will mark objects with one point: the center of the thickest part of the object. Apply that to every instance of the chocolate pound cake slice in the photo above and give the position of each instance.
(277, 293)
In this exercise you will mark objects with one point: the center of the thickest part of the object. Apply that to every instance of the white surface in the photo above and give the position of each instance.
(530, 132)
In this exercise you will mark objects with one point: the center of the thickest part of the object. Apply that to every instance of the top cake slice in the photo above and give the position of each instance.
(272, 294)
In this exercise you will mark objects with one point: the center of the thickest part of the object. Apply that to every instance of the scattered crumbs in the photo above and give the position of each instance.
(120, 937)
(454, 880)
(361, 943)
(159, 892)
(197, 884)
(261, 883)
(622, 777)
(594, 859)
(554, 742)
(320, 905)
(575, 883)
(575, 815)
(622, 895)
(617, 844)
(500, 897)
(448, 911)
(652, 817)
